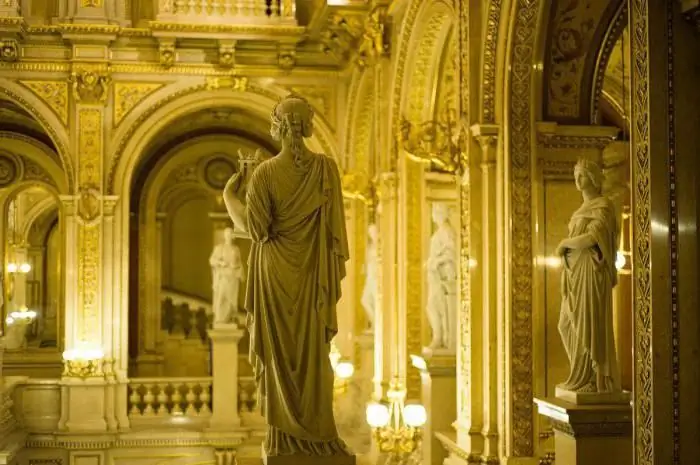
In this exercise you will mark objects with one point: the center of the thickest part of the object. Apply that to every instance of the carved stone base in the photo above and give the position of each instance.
(589, 434)
(439, 394)
(592, 398)
(308, 460)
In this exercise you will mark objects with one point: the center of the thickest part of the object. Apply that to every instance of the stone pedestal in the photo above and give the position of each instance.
(439, 396)
(308, 460)
(224, 350)
(84, 406)
(589, 434)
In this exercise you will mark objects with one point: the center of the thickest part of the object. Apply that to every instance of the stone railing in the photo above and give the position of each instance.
(183, 313)
(228, 11)
(154, 399)
(11, 434)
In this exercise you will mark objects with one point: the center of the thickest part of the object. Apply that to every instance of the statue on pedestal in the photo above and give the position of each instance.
(369, 293)
(227, 274)
(442, 281)
(293, 211)
(587, 281)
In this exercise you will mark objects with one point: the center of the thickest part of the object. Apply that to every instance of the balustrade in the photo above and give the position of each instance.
(11, 436)
(169, 398)
(228, 11)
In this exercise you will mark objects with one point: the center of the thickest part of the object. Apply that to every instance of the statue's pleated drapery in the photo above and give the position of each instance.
(297, 261)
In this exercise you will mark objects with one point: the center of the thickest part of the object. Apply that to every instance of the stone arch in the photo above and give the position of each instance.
(257, 101)
(360, 121)
(28, 101)
(26, 148)
(434, 22)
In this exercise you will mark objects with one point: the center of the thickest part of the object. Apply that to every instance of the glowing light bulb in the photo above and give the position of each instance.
(25, 268)
(415, 415)
(344, 370)
(12, 268)
(377, 415)
(620, 260)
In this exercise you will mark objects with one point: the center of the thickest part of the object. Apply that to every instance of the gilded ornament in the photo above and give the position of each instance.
(521, 419)
(91, 3)
(88, 279)
(129, 94)
(89, 204)
(440, 143)
(488, 85)
(90, 86)
(54, 93)
(9, 50)
(227, 57)
(82, 368)
(287, 59)
(34, 172)
(9, 171)
(90, 147)
(166, 54)
(374, 42)
(239, 84)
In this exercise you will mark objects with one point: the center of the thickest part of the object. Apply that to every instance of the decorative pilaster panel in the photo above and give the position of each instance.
(411, 275)
(90, 138)
(386, 341)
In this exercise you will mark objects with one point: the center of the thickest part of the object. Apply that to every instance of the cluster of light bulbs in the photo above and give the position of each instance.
(84, 352)
(23, 315)
(21, 267)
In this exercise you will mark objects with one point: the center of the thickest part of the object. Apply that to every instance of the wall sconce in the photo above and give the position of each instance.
(438, 142)
(397, 428)
(83, 361)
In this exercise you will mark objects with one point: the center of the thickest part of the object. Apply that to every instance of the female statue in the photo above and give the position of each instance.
(442, 281)
(369, 293)
(587, 281)
(227, 273)
(294, 214)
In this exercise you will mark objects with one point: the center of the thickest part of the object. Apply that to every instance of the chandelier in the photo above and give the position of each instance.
(396, 427)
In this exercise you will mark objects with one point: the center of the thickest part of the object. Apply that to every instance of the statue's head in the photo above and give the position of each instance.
(292, 119)
(441, 212)
(228, 235)
(588, 176)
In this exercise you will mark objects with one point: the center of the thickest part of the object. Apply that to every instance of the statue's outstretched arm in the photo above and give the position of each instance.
(234, 205)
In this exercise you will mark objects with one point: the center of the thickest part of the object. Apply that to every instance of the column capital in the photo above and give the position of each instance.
(487, 137)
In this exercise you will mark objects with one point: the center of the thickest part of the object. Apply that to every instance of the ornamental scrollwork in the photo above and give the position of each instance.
(441, 143)
(90, 85)
(375, 38)
(9, 50)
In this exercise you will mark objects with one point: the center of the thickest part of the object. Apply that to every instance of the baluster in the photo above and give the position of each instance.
(229, 8)
(148, 399)
(135, 400)
(259, 8)
(166, 6)
(287, 8)
(180, 7)
(216, 8)
(177, 400)
(205, 399)
(191, 398)
(162, 400)
(275, 9)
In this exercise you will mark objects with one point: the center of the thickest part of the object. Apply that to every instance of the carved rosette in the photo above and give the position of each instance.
(9, 170)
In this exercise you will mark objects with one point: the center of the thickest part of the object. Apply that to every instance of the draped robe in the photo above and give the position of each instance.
(297, 260)
(587, 281)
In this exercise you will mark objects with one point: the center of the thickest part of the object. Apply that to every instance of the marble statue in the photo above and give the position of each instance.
(442, 281)
(369, 293)
(587, 281)
(227, 274)
(293, 211)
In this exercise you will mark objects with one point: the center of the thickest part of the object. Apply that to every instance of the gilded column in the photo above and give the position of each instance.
(486, 259)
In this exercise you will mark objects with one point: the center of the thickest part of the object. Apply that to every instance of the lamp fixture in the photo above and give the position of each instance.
(23, 268)
(23, 316)
(396, 427)
(83, 361)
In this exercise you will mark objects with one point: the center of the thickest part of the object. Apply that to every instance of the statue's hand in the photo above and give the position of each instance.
(562, 248)
(235, 184)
